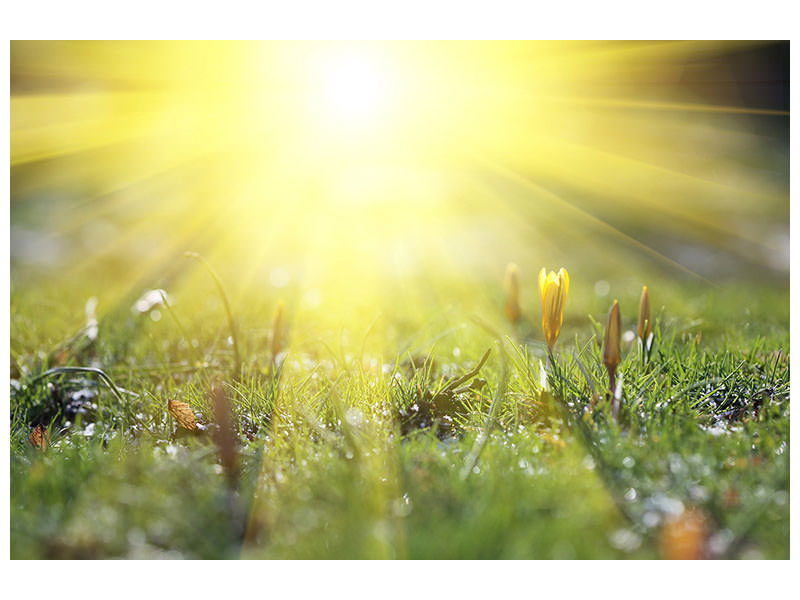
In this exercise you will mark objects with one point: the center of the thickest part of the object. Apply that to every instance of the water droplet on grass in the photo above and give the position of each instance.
(666, 505)
(719, 542)
(354, 417)
(625, 540)
(402, 506)
(698, 493)
(677, 466)
(651, 519)
(149, 300)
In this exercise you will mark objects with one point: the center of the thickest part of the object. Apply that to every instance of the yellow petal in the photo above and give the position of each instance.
(565, 276)
(553, 288)
(542, 282)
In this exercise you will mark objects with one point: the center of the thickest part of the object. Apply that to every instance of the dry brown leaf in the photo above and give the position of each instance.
(39, 437)
(183, 414)
(684, 537)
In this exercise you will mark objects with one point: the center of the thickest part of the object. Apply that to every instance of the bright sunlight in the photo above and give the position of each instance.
(354, 89)
(399, 299)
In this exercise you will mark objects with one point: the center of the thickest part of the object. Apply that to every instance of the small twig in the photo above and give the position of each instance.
(454, 383)
(103, 377)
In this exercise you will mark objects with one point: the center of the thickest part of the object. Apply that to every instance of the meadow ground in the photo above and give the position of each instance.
(346, 383)
(347, 447)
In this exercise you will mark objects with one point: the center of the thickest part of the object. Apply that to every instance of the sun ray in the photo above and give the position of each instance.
(349, 167)
(550, 196)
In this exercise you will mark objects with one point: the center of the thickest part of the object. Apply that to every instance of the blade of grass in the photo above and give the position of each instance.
(228, 311)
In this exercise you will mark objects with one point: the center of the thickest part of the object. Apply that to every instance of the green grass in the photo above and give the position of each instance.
(347, 451)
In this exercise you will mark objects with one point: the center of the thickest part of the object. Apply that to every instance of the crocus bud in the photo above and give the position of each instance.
(553, 288)
(512, 309)
(611, 351)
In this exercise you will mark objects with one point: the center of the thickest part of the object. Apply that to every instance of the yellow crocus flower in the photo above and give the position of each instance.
(553, 289)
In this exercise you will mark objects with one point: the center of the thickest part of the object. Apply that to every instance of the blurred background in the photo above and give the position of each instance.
(356, 178)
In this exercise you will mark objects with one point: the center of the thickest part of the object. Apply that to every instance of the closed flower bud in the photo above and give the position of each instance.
(611, 352)
(512, 308)
(553, 289)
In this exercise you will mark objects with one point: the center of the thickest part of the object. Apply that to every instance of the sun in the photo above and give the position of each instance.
(354, 89)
